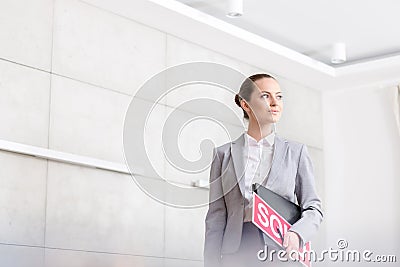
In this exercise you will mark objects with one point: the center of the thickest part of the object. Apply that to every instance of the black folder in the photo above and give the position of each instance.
(287, 209)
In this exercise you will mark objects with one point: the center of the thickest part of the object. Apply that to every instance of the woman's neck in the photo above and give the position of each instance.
(258, 132)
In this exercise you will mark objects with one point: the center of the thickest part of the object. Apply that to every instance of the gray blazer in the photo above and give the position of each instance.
(291, 175)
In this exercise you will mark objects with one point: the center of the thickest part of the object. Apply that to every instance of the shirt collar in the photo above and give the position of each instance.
(266, 141)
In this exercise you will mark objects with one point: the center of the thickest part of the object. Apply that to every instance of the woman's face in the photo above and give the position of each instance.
(266, 102)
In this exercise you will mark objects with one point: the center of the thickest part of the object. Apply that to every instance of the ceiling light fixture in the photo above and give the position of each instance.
(235, 8)
(338, 53)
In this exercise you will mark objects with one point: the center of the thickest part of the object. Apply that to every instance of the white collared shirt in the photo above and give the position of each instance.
(256, 152)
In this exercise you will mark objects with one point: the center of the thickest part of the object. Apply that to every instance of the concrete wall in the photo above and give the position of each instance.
(68, 71)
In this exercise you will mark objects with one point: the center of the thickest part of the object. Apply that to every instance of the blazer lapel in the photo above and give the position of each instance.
(237, 154)
(280, 149)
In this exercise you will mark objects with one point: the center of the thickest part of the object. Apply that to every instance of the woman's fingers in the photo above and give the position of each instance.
(286, 240)
(291, 245)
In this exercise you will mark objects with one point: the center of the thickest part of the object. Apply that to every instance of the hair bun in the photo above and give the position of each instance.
(237, 100)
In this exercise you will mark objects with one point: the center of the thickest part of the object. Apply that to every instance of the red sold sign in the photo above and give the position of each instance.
(275, 226)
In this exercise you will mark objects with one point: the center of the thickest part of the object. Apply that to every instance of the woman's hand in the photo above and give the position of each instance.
(291, 241)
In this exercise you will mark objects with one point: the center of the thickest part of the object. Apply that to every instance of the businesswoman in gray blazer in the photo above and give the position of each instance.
(258, 155)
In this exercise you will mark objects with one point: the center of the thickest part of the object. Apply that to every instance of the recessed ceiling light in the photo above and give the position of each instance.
(235, 8)
(338, 53)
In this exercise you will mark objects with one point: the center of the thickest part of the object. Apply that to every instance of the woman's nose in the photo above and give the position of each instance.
(272, 101)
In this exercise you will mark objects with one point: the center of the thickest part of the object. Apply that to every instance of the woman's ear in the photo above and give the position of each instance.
(245, 106)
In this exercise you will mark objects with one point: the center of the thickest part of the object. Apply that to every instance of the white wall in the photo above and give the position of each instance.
(362, 155)
(68, 71)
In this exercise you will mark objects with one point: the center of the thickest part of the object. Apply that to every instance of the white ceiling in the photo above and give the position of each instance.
(283, 55)
(370, 28)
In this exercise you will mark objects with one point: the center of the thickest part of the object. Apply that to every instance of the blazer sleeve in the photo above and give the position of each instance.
(310, 203)
(215, 221)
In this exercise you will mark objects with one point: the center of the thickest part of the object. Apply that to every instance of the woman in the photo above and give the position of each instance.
(258, 155)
